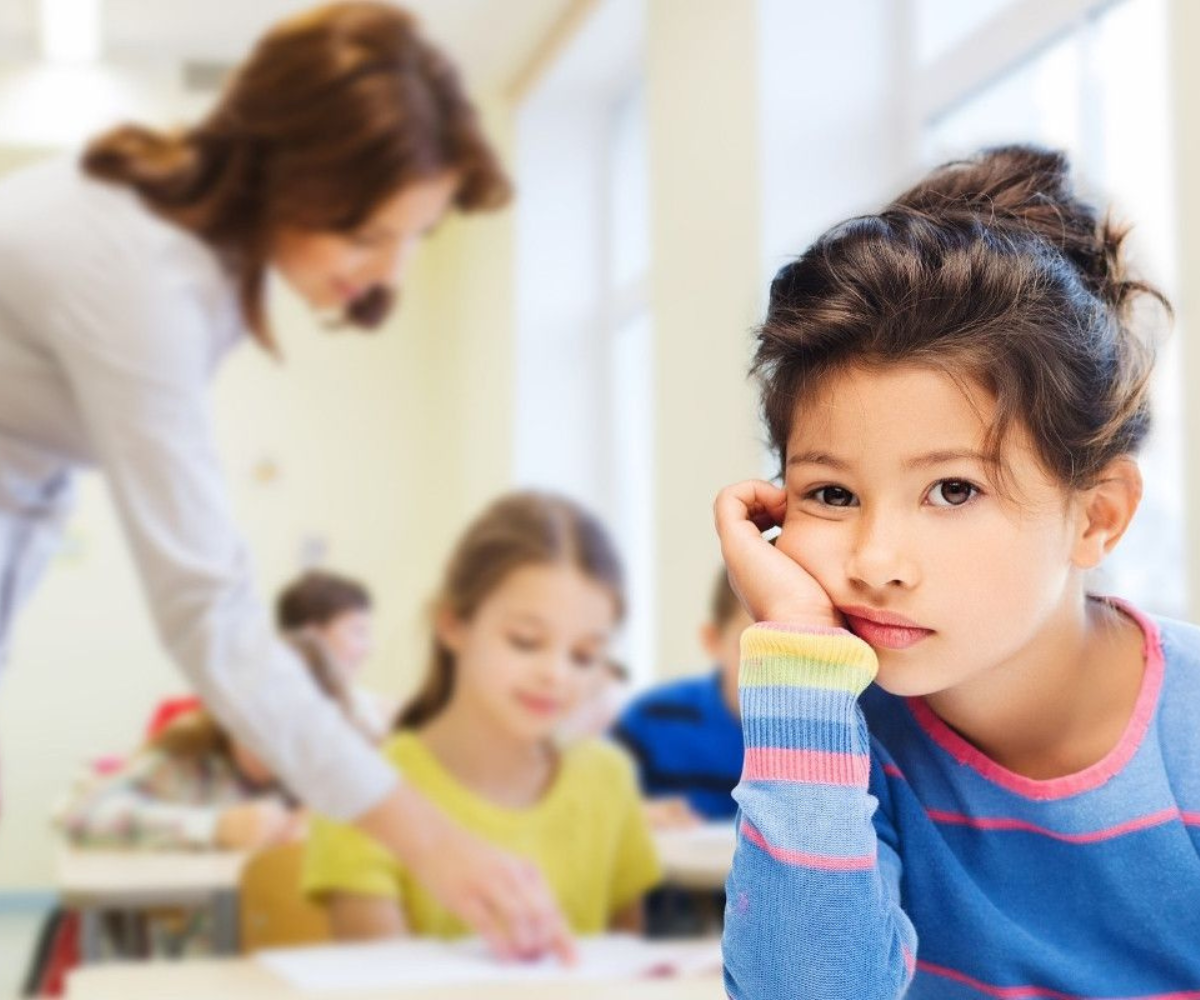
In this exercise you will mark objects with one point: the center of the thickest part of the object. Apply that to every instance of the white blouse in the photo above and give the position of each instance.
(112, 322)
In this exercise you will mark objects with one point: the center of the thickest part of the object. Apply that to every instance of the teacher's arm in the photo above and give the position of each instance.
(137, 355)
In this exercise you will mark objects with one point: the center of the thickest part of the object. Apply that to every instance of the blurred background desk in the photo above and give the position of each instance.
(244, 979)
(696, 857)
(99, 882)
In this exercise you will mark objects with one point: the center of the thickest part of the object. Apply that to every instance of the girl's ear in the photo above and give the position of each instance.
(449, 628)
(1106, 510)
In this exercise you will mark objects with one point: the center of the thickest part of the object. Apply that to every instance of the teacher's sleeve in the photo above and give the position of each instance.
(137, 349)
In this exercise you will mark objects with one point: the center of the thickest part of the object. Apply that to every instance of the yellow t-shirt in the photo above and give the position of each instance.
(588, 834)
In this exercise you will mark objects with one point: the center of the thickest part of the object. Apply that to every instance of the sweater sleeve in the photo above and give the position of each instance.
(135, 349)
(813, 898)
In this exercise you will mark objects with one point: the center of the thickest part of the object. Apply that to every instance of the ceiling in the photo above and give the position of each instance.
(491, 40)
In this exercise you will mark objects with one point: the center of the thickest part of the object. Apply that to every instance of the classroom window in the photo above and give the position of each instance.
(584, 421)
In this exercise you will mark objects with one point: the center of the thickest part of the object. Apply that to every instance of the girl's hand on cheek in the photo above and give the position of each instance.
(772, 586)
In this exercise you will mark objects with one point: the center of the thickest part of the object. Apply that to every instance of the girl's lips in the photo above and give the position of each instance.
(881, 628)
(539, 706)
(879, 617)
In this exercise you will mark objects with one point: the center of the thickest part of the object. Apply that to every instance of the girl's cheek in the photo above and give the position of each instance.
(813, 543)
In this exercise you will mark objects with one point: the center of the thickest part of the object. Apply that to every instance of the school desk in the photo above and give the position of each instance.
(98, 881)
(696, 857)
(244, 979)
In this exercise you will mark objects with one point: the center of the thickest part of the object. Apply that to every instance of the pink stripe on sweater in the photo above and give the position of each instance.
(1091, 837)
(1089, 777)
(812, 766)
(803, 859)
(1037, 992)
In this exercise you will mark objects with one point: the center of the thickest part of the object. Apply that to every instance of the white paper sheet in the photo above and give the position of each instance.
(417, 963)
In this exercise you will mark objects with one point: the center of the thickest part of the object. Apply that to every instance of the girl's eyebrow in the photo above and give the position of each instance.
(817, 458)
(916, 462)
(523, 618)
(940, 457)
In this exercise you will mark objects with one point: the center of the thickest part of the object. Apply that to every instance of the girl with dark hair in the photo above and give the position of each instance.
(965, 774)
(521, 626)
(338, 612)
(126, 276)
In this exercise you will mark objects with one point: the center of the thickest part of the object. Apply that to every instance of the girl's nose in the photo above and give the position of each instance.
(879, 557)
(395, 266)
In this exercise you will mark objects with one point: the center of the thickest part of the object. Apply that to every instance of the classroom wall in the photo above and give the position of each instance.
(1183, 28)
(702, 104)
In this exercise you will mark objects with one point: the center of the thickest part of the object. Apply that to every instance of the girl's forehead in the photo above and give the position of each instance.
(898, 410)
(551, 593)
(912, 422)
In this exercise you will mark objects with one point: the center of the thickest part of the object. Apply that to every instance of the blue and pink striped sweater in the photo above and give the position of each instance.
(881, 856)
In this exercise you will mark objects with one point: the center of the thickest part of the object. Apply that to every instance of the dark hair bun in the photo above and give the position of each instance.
(1030, 189)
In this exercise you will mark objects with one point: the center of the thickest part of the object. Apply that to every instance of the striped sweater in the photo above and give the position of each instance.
(880, 855)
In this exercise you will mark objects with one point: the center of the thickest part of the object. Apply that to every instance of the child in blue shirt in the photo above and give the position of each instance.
(686, 735)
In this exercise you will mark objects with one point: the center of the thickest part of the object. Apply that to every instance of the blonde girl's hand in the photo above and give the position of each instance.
(772, 586)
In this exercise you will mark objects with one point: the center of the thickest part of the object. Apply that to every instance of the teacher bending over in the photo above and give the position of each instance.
(126, 276)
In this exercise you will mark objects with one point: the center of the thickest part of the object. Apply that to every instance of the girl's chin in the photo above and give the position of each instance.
(904, 683)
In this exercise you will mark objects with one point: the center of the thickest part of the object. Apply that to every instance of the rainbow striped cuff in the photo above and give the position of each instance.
(799, 693)
(777, 655)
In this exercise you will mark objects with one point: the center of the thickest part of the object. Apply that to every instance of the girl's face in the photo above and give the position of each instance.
(348, 637)
(892, 509)
(529, 654)
(329, 270)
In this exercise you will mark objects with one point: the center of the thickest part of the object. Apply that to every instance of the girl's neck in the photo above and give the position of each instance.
(1062, 702)
(495, 764)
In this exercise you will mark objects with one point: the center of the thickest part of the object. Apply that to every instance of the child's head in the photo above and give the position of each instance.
(955, 392)
(523, 617)
(727, 620)
(333, 607)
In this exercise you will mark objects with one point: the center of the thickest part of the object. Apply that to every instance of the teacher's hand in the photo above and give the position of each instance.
(503, 898)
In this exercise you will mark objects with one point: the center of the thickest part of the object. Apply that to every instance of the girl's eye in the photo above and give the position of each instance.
(952, 493)
(523, 643)
(585, 660)
(834, 496)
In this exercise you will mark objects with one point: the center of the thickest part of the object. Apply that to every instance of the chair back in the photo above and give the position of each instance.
(274, 913)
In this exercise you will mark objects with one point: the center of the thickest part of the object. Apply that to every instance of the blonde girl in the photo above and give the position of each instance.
(522, 623)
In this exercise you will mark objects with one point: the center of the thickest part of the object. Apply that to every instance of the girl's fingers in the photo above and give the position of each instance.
(771, 585)
(745, 510)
